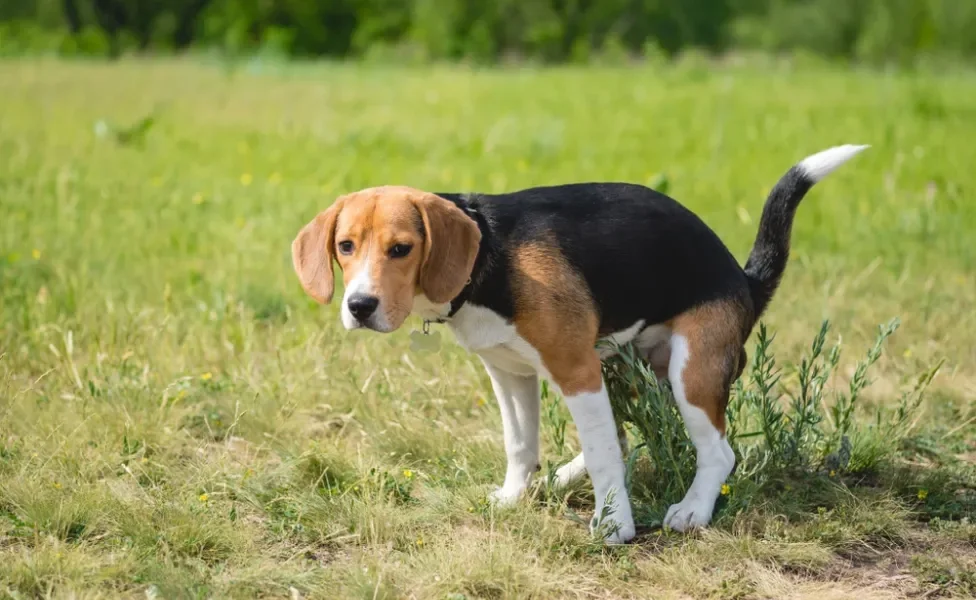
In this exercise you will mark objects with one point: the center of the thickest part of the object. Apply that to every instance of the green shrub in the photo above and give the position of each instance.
(785, 423)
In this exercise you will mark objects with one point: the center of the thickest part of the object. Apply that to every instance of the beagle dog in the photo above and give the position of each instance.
(531, 281)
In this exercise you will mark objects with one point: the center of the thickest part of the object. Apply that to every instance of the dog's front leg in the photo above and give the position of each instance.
(518, 399)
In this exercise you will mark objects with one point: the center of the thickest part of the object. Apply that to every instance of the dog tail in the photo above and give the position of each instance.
(767, 261)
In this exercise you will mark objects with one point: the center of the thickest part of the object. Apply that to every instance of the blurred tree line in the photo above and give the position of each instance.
(489, 30)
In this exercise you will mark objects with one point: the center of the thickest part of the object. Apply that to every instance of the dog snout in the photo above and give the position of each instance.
(362, 306)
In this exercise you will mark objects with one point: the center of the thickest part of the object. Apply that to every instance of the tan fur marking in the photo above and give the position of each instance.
(555, 313)
(714, 335)
(313, 251)
(452, 245)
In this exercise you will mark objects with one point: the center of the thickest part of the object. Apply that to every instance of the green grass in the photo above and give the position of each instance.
(177, 419)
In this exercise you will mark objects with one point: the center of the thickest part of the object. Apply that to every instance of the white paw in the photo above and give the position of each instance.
(569, 473)
(617, 532)
(617, 527)
(689, 514)
(504, 497)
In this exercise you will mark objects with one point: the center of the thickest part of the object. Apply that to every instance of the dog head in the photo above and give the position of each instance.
(392, 244)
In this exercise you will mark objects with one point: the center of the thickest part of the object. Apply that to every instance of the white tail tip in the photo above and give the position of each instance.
(821, 164)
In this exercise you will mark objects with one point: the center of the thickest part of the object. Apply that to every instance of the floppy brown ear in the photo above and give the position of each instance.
(313, 251)
(450, 250)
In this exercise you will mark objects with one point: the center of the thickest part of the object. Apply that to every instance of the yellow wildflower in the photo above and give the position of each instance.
(726, 489)
(408, 473)
(207, 376)
(923, 494)
(57, 485)
(832, 473)
(204, 497)
(420, 542)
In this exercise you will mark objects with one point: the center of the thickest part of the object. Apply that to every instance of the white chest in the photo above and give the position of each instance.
(488, 335)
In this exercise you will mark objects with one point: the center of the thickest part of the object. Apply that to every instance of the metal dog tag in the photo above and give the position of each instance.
(425, 341)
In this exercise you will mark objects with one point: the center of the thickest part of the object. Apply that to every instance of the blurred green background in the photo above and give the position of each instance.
(883, 31)
(179, 420)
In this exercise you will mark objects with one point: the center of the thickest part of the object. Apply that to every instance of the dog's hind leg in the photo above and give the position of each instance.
(705, 353)
(586, 397)
(575, 469)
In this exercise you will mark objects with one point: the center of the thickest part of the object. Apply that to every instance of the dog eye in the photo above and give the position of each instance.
(400, 250)
(345, 247)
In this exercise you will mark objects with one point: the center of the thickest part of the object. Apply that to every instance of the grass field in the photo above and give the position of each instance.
(177, 419)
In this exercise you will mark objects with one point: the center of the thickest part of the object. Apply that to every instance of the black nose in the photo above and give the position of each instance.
(362, 306)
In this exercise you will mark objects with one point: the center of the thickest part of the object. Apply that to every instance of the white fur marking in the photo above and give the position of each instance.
(620, 338)
(647, 339)
(575, 469)
(478, 328)
(598, 435)
(490, 336)
(425, 309)
(821, 164)
(571, 472)
(652, 336)
(360, 284)
(715, 456)
(518, 399)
